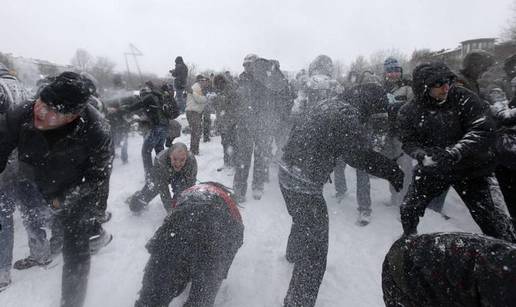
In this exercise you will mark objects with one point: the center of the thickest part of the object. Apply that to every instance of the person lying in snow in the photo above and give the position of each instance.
(196, 243)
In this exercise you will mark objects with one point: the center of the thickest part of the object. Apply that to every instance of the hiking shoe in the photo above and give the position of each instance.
(29, 262)
(364, 218)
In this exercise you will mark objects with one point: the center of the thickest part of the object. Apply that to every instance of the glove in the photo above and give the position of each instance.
(419, 154)
(396, 179)
(443, 158)
(211, 95)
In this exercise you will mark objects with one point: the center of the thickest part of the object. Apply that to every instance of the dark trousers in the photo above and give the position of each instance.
(76, 257)
(154, 140)
(307, 246)
(507, 180)
(363, 185)
(481, 195)
(194, 121)
(166, 277)
(249, 142)
(228, 140)
(206, 126)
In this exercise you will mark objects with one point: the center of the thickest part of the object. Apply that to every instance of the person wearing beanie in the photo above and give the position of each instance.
(64, 146)
(180, 74)
(448, 130)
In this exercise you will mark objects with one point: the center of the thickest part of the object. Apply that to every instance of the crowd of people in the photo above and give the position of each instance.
(439, 130)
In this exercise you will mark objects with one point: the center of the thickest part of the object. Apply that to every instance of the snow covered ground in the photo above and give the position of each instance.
(260, 274)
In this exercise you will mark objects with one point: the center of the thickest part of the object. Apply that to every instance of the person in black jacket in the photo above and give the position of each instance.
(152, 102)
(175, 166)
(196, 243)
(449, 269)
(448, 130)
(65, 146)
(180, 74)
(328, 130)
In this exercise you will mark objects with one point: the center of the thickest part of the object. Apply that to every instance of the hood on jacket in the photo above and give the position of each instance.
(426, 75)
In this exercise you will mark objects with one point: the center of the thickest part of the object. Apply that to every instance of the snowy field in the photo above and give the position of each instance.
(260, 274)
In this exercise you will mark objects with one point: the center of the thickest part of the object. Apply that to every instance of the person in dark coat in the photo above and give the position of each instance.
(330, 129)
(449, 269)
(448, 130)
(474, 65)
(253, 130)
(196, 243)
(225, 104)
(175, 167)
(65, 146)
(151, 102)
(180, 74)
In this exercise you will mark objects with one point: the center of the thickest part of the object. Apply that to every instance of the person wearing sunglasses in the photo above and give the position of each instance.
(448, 130)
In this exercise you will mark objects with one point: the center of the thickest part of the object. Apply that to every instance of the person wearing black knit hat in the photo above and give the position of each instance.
(448, 130)
(64, 146)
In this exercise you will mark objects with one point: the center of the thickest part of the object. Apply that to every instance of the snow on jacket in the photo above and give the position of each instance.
(462, 124)
(165, 175)
(450, 269)
(196, 100)
(75, 158)
(331, 129)
(12, 92)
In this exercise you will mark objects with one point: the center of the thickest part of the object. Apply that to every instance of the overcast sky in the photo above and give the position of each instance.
(217, 34)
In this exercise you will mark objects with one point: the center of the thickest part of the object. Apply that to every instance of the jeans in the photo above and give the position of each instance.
(363, 185)
(154, 139)
(181, 100)
(195, 122)
(35, 216)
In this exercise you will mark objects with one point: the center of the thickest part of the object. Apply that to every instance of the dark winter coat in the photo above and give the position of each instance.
(461, 124)
(331, 129)
(73, 161)
(255, 105)
(180, 74)
(450, 269)
(152, 104)
(204, 231)
(164, 175)
(226, 104)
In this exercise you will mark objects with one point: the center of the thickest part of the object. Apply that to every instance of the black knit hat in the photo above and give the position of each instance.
(68, 93)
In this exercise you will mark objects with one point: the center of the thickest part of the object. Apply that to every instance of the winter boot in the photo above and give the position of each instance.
(105, 218)
(99, 241)
(364, 218)
(136, 204)
(5, 280)
(257, 194)
(340, 196)
(29, 262)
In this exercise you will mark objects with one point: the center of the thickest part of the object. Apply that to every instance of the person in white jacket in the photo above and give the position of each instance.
(195, 103)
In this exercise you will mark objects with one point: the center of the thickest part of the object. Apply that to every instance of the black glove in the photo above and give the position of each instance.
(442, 157)
(419, 154)
(409, 220)
(396, 179)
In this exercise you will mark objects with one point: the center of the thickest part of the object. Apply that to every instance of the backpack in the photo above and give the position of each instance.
(169, 105)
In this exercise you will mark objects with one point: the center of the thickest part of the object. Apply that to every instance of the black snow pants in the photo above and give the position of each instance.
(480, 194)
(248, 142)
(507, 180)
(77, 226)
(307, 246)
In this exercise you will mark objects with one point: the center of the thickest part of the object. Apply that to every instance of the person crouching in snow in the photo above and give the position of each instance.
(175, 166)
(449, 269)
(196, 243)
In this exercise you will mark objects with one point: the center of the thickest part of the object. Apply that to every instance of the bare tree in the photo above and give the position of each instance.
(82, 60)
(103, 71)
(360, 64)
